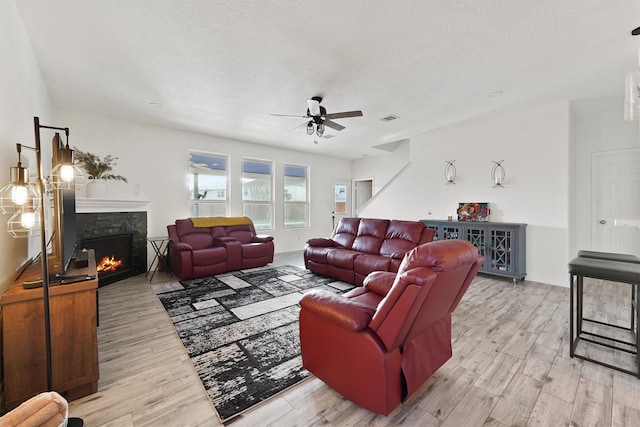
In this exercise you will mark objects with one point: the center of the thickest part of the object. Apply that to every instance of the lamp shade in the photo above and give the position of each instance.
(18, 194)
(65, 175)
(24, 223)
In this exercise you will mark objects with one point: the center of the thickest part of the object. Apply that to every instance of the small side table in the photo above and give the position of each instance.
(160, 245)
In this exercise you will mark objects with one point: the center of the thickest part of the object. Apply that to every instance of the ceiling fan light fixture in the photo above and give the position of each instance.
(320, 129)
(310, 127)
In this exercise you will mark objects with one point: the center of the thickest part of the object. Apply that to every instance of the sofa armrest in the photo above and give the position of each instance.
(261, 239)
(343, 312)
(321, 242)
(379, 282)
(181, 246)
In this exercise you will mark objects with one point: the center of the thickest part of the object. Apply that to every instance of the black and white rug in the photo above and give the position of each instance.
(240, 330)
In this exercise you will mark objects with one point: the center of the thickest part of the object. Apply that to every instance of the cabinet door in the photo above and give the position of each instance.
(477, 236)
(502, 251)
(436, 229)
(450, 232)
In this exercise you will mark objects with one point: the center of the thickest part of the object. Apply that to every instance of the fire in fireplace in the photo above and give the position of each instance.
(113, 256)
(109, 263)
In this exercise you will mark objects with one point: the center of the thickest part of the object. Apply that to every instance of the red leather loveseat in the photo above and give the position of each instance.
(201, 247)
(377, 344)
(362, 245)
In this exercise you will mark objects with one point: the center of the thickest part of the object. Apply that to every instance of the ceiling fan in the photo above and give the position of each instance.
(317, 117)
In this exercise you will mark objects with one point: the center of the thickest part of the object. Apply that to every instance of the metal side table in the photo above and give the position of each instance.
(160, 245)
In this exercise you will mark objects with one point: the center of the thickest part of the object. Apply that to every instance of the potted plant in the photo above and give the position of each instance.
(98, 170)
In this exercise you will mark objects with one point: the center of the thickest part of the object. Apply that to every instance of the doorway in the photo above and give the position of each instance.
(363, 189)
(616, 201)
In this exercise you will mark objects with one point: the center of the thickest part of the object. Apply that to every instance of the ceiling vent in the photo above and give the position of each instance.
(389, 118)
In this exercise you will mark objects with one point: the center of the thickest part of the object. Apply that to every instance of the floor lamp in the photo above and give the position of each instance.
(26, 201)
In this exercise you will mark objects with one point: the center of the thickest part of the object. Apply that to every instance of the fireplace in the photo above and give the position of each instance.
(112, 232)
(113, 256)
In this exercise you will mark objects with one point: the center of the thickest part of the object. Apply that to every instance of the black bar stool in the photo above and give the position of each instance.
(612, 267)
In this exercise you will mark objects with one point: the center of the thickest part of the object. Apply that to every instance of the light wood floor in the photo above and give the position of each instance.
(510, 367)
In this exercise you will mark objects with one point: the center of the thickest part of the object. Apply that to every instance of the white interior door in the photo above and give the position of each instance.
(616, 201)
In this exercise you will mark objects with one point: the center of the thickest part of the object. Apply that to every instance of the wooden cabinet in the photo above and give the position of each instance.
(502, 244)
(74, 342)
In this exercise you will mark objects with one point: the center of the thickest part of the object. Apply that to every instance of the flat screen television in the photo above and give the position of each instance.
(64, 221)
(68, 231)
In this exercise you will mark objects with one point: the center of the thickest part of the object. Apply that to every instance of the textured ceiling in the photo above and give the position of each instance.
(221, 67)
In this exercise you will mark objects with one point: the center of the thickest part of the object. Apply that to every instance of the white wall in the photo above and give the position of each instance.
(599, 126)
(534, 144)
(155, 160)
(23, 95)
(382, 168)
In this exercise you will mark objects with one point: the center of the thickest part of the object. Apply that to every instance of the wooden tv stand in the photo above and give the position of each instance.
(74, 342)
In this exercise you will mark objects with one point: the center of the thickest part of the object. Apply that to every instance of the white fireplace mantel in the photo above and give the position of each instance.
(93, 205)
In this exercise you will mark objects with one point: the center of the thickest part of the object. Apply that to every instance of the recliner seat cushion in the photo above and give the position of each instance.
(366, 263)
(254, 250)
(342, 258)
(208, 256)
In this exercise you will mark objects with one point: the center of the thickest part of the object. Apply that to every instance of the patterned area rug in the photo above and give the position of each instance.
(240, 330)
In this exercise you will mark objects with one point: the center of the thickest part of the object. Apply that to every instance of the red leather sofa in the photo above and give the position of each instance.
(362, 245)
(377, 344)
(201, 247)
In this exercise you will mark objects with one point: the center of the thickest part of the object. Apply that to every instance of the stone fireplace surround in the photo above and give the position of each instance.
(97, 218)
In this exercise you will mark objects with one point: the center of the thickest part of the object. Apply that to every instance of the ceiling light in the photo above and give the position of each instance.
(320, 129)
(310, 127)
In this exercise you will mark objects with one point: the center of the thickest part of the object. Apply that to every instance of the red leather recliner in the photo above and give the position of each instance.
(377, 344)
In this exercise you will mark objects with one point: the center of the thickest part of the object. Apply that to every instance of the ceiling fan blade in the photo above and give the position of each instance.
(289, 115)
(344, 115)
(314, 107)
(303, 125)
(333, 125)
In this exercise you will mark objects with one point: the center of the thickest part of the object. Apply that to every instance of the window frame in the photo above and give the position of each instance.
(306, 203)
(224, 201)
(268, 203)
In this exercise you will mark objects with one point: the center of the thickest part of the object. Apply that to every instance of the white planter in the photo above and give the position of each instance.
(96, 189)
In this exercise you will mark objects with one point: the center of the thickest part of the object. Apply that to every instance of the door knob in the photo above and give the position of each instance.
(602, 221)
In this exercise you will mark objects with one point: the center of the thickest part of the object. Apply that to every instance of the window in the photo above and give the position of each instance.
(208, 184)
(257, 193)
(296, 196)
